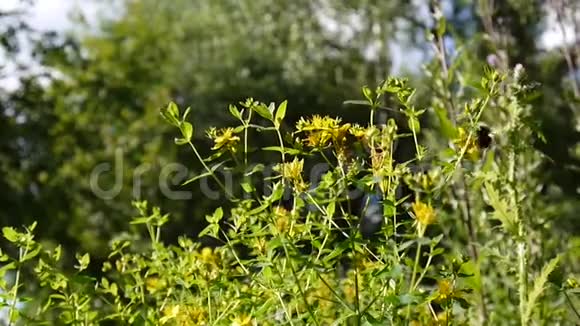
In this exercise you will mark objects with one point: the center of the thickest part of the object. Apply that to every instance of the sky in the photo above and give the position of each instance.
(46, 14)
(54, 15)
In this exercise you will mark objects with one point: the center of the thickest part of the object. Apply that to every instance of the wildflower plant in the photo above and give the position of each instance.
(295, 253)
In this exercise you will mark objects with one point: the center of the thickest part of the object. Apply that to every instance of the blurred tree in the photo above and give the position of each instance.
(97, 100)
(105, 85)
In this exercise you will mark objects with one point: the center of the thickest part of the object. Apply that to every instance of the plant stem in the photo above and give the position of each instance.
(295, 276)
(217, 180)
(21, 255)
(571, 304)
(413, 276)
(246, 126)
(521, 242)
(411, 287)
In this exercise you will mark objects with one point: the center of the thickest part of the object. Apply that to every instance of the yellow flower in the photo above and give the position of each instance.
(292, 171)
(169, 312)
(153, 284)
(424, 213)
(197, 315)
(442, 318)
(242, 320)
(322, 131)
(183, 315)
(445, 290)
(471, 148)
(207, 256)
(349, 288)
(224, 139)
(282, 219)
(357, 131)
(259, 245)
(572, 283)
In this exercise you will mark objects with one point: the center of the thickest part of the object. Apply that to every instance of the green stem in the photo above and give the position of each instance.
(246, 126)
(411, 288)
(295, 276)
(281, 145)
(21, 255)
(469, 137)
(571, 304)
(413, 276)
(521, 242)
(217, 180)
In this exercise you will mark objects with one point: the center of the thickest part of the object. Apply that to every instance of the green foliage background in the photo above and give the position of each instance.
(101, 88)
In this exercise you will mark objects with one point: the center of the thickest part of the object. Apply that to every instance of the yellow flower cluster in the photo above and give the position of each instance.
(471, 148)
(223, 139)
(154, 284)
(323, 131)
(282, 219)
(292, 172)
(183, 315)
(207, 256)
(445, 290)
(424, 213)
(242, 320)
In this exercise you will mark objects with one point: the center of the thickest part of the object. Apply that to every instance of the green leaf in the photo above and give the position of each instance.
(489, 160)
(388, 208)
(186, 130)
(180, 141)
(7, 267)
(446, 126)
(414, 124)
(392, 272)
(247, 186)
(263, 111)
(171, 114)
(185, 114)
(277, 192)
(290, 151)
(211, 229)
(256, 168)
(216, 216)
(10, 234)
(538, 288)
(259, 209)
(83, 261)
(330, 208)
(31, 254)
(235, 112)
(368, 94)
(203, 175)
(502, 211)
(280, 113)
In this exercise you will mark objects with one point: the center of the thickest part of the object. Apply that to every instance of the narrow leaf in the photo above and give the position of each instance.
(502, 211)
(171, 113)
(10, 234)
(186, 130)
(263, 111)
(539, 287)
(281, 113)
